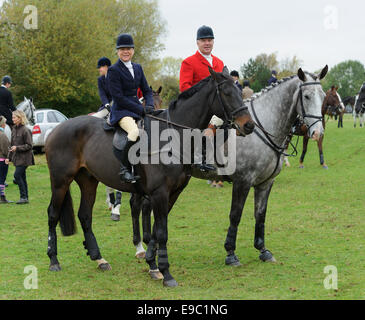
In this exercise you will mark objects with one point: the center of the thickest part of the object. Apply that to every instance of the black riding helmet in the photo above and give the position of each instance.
(6, 79)
(104, 61)
(205, 32)
(125, 40)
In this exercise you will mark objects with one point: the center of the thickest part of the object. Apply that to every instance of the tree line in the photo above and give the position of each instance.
(56, 63)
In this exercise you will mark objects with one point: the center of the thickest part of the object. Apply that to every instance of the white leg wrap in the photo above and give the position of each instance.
(139, 248)
(116, 210)
(101, 261)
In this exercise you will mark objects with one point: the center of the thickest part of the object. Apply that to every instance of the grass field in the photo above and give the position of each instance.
(315, 219)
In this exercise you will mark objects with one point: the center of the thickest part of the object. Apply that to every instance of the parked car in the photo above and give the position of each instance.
(45, 121)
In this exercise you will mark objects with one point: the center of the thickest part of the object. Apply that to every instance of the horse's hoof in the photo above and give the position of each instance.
(141, 255)
(115, 217)
(170, 283)
(267, 256)
(155, 275)
(325, 167)
(232, 261)
(301, 167)
(55, 267)
(104, 267)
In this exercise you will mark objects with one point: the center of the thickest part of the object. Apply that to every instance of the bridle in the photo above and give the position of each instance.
(229, 117)
(304, 115)
(228, 120)
(268, 141)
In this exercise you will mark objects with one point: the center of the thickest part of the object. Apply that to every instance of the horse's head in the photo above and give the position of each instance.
(157, 100)
(228, 104)
(360, 102)
(332, 99)
(28, 108)
(310, 101)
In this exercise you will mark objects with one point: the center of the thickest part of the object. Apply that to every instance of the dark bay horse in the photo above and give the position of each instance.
(332, 105)
(79, 148)
(260, 155)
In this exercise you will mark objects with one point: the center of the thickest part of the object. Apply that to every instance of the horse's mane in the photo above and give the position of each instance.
(275, 85)
(193, 90)
(189, 93)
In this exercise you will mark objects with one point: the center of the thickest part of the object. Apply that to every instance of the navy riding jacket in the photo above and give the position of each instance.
(272, 80)
(123, 89)
(104, 92)
(7, 104)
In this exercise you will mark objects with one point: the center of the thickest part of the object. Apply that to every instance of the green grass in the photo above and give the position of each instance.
(315, 218)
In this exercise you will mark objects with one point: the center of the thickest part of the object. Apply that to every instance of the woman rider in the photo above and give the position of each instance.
(124, 79)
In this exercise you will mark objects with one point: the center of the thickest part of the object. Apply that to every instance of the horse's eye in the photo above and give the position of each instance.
(307, 97)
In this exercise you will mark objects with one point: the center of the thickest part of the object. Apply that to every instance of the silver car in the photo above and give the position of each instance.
(45, 121)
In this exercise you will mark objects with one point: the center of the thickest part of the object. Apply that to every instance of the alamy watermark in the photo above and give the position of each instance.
(31, 19)
(331, 19)
(331, 281)
(187, 147)
(31, 280)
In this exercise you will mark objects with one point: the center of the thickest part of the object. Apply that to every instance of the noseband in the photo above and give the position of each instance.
(304, 114)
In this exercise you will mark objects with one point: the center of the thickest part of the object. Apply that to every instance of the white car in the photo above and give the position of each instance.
(45, 121)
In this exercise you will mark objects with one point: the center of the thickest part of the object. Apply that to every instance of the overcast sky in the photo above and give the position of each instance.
(319, 32)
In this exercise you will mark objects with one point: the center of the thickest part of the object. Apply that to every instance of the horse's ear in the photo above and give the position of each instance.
(225, 70)
(323, 72)
(301, 75)
(337, 88)
(213, 73)
(159, 90)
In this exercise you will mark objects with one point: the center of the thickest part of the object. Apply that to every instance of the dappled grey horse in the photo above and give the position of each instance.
(260, 156)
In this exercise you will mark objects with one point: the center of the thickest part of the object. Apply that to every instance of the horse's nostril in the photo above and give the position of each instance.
(249, 126)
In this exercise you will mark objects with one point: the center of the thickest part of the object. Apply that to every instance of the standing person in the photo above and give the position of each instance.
(193, 70)
(124, 79)
(247, 92)
(235, 75)
(113, 200)
(4, 149)
(6, 100)
(273, 78)
(21, 154)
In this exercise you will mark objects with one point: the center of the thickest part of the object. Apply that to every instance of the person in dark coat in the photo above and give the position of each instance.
(235, 75)
(21, 154)
(6, 100)
(4, 149)
(124, 78)
(273, 78)
(104, 93)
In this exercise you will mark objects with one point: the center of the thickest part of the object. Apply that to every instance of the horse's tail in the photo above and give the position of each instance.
(67, 216)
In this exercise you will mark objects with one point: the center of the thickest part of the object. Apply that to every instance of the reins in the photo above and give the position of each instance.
(227, 120)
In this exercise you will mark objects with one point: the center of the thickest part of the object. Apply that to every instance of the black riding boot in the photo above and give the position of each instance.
(125, 173)
(202, 162)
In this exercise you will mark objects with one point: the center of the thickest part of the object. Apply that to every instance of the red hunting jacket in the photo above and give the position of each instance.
(195, 68)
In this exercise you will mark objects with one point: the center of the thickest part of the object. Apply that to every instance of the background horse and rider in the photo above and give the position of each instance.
(357, 105)
(28, 108)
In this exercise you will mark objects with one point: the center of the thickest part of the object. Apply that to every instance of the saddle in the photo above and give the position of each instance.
(120, 135)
